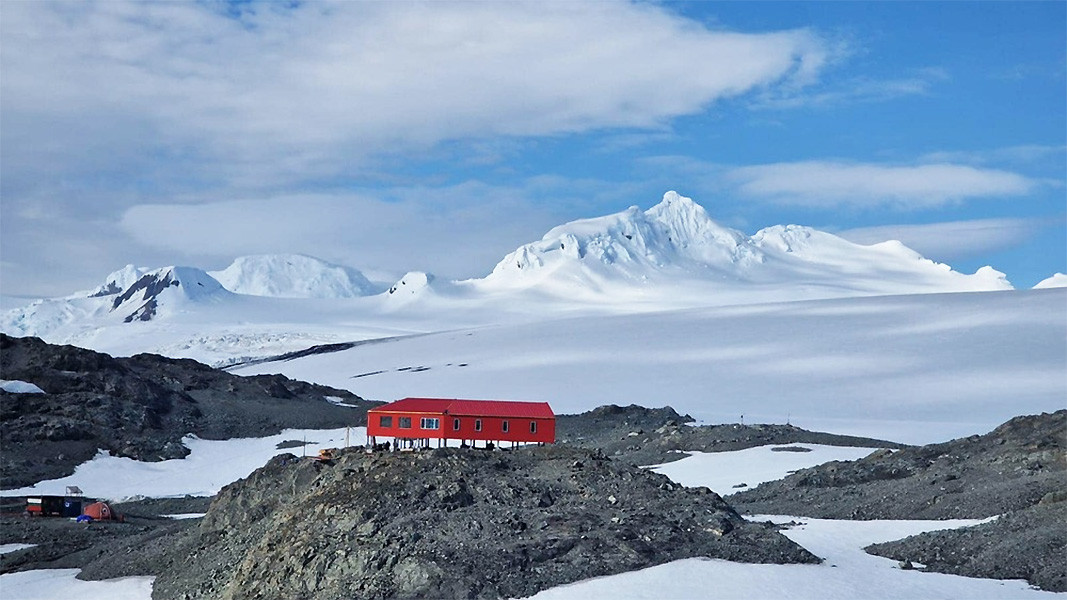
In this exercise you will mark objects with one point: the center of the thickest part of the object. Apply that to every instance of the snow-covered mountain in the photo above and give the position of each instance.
(670, 256)
(1057, 280)
(128, 295)
(414, 283)
(293, 276)
(152, 293)
(675, 247)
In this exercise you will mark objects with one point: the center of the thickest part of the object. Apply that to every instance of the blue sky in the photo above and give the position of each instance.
(440, 136)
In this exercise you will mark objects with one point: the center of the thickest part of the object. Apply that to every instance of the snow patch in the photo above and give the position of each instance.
(50, 584)
(19, 387)
(210, 465)
(725, 472)
(6, 548)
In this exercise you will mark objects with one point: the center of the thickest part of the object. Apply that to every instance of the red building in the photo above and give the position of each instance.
(416, 421)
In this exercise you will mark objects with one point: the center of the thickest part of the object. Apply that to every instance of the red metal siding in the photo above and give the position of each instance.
(493, 414)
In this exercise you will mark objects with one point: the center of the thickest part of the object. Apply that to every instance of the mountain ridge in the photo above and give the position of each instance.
(670, 256)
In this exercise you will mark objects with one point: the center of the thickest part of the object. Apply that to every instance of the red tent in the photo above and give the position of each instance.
(101, 511)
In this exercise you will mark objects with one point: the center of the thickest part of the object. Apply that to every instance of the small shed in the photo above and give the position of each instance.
(414, 422)
(55, 506)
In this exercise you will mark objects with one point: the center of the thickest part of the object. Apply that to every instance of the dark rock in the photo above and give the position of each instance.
(1028, 544)
(451, 523)
(1011, 468)
(140, 407)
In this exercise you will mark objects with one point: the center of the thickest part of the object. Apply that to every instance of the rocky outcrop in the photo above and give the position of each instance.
(140, 407)
(1010, 468)
(1029, 544)
(1017, 471)
(648, 436)
(452, 523)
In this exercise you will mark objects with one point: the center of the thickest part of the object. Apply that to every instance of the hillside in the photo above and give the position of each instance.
(140, 407)
(1018, 470)
(452, 523)
(1010, 468)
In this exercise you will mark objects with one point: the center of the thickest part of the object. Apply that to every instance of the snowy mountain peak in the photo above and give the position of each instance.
(293, 276)
(118, 281)
(1057, 280)
(145, 294)
(411, 284)
(632, 244)
(675, 245)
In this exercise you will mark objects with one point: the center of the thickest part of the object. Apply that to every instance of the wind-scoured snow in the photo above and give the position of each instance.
(915, 369)
(293, 276)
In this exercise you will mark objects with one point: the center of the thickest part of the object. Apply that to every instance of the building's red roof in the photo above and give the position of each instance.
(471, 408)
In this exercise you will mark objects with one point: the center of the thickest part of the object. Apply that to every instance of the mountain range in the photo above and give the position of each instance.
(670, 256)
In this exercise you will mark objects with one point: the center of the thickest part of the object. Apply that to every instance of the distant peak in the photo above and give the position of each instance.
(412, 283)
(673, 197)
(293, 276)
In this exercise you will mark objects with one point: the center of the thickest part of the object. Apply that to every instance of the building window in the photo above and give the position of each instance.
(504, 425)
(455, 424)
(477, 424)
(405, 422)
(533, 426)
(385, 421)
(428, 423)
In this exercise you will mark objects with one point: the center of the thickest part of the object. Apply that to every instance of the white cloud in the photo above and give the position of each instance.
(456, 231)
(288, 92)
(951, 240)
(854, 90)
(1021, 154)
(825, 184)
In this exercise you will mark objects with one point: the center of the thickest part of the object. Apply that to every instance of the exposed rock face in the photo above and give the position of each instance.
(140, 407)
(452, 523)
(1010, 468)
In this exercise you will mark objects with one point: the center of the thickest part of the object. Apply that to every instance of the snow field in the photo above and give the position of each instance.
(723, 471)
(913, 369)
(210, 465)
(847, 573)
(5, 548)
(52, 584)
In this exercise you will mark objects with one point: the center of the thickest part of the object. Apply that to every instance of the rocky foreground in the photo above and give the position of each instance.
(1011, 468)
(141, 407)
(1019, 470)
(451, 523)
(474, 523)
